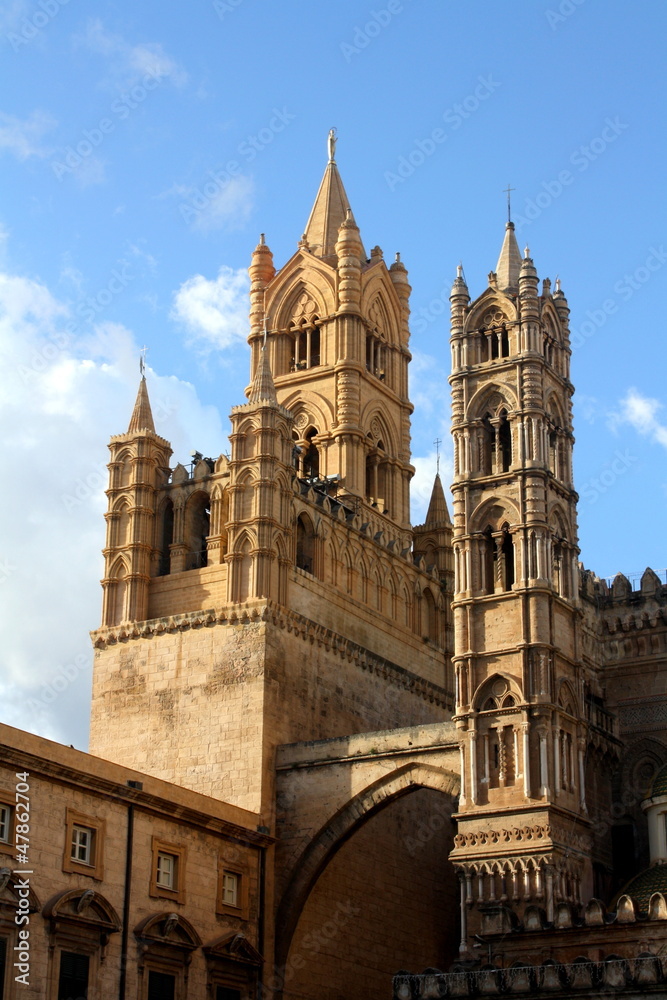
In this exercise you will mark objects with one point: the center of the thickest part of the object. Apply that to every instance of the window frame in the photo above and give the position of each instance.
(8, 801)
(157, 890)
(241, 872)
(95, 867)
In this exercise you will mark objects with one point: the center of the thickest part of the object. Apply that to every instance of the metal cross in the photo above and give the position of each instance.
(142, 360)
(437, 444)
(507, 191)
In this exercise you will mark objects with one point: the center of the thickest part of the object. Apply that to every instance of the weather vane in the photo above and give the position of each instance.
(507, 191)
(437, 443)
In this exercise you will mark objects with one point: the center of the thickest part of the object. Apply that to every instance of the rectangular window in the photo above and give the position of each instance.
(83, 839)
(161, 986)
(73, 980)
(5, 823)
(230, 888)
(84, 844)
(166, 870)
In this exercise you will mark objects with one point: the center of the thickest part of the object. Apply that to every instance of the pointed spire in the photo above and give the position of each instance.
(263, 389)
(509, 262)
(329, 211)
(142, 417)
(437, 509)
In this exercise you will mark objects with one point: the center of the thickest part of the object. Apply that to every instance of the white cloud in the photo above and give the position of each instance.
(61, 398)
(23, 138)
(229, 208)
(215, 313)
(641, 412)
(129, 63)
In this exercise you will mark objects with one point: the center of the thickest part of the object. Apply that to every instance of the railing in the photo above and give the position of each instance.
(600, 718)
(611, 976)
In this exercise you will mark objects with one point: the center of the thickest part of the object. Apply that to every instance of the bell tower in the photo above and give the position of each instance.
(337, 345)
(520, 672)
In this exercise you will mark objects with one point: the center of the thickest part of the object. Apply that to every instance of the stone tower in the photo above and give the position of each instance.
(522, 673)
(275, 595)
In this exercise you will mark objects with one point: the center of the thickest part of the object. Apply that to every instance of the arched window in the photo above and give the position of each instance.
(486, 445)
(305, 545)
(166, 538)
(508, 558)
(311, 457)
(504, 343)
(245, 571)
(483, 346)
(306, 352)
(489, 559)
(504, 443)
(431, 615)
(197, 529)
(121, 532)
(117, 596)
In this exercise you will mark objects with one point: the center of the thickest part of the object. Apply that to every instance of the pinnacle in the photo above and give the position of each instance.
(437, 509)
(142, 417)
(509, 262)
(263, 388)
(329, 212)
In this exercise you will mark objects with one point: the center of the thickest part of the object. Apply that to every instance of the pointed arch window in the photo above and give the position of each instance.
(166, 539)
(486, 445)
(504, 444)
(311, 456)
(507, 550)
(197, 530)
(306, 347)
(305, 545)
(489, 561)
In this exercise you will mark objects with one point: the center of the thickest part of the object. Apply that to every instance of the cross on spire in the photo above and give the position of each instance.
(508, 190)
(437, 443)
(142, 361)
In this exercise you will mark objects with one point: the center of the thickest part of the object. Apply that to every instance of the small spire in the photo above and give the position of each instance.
(437, 509)
(509, 262)
(142, 417)
(263, 387)
(330, 210)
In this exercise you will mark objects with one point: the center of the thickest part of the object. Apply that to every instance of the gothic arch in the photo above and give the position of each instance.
(383, 318)
(496, 688)
(566, 697)
(491, 398)
(331, 837)
(282, 303)
(489, 300)
(378, 424)
(552, 323)
(379, 286)
(309, 409)
(494, 511)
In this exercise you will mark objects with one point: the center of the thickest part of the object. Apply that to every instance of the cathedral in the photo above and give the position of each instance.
(334, 754)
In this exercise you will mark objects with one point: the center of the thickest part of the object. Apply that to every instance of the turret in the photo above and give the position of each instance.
(139, 465)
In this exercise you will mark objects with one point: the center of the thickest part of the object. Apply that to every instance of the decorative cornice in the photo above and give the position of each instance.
(288, 620)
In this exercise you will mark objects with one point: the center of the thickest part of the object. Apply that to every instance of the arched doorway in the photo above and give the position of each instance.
(373, 892)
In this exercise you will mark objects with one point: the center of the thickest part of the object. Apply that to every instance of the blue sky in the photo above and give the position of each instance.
(144, 147)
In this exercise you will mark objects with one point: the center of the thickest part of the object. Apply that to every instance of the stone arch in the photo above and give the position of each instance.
(379, 303)
(120, 523)
(491, 398)
(494, 511)
(282, 304)
(197, 523)
(331, 837)
(566, 697)
(496, 688)
(490, 301)
(124, 469)
(378, 423)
